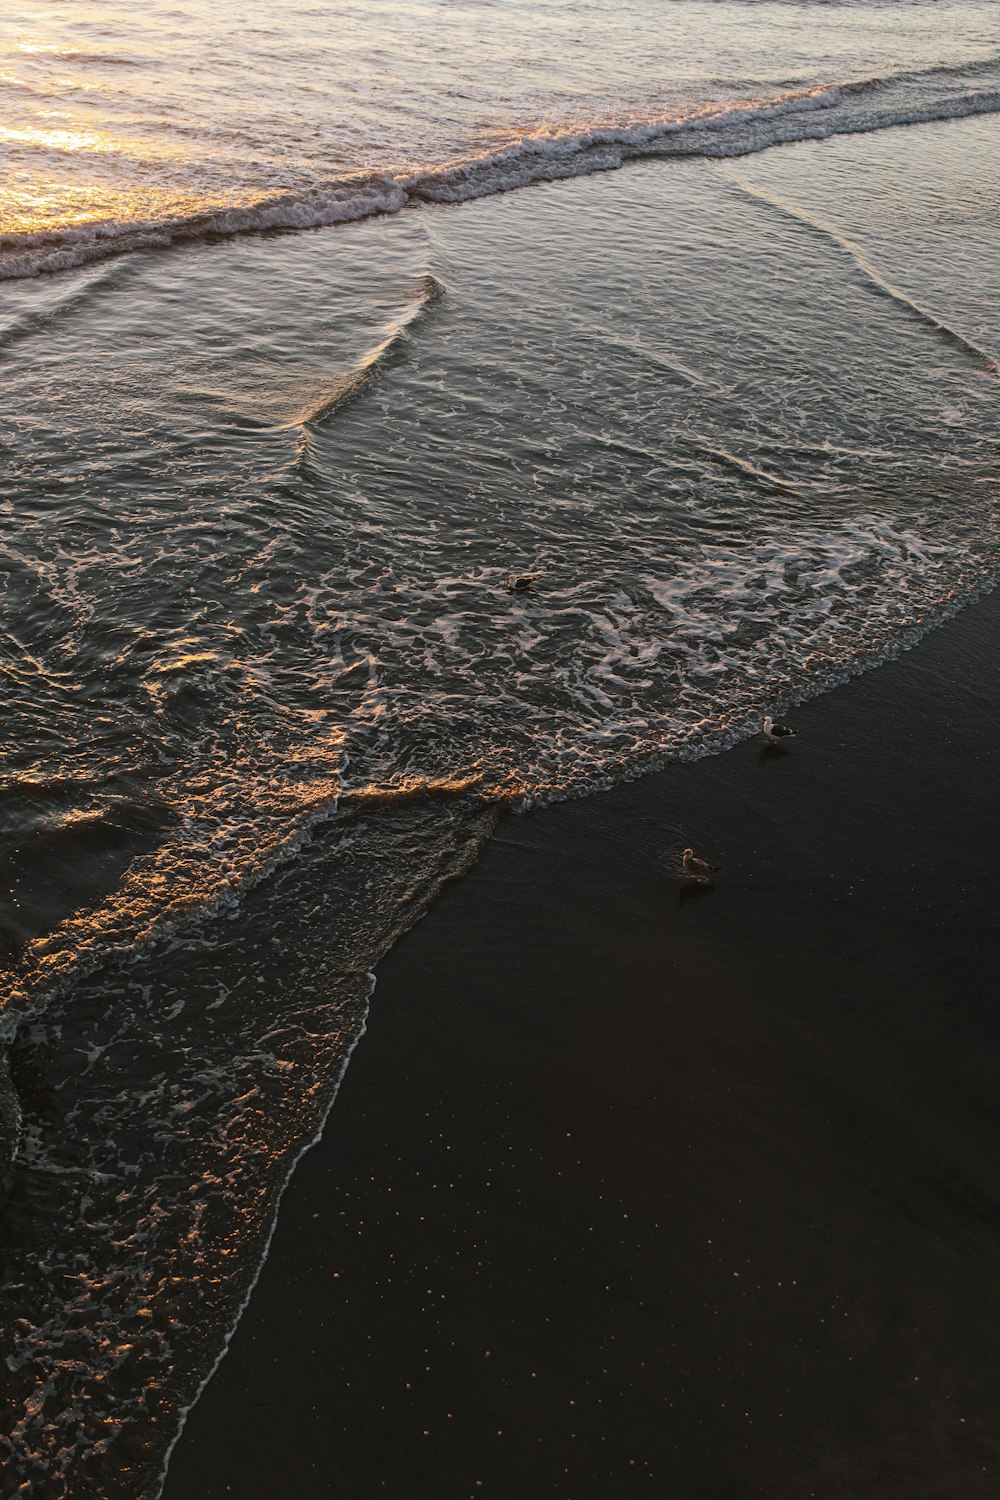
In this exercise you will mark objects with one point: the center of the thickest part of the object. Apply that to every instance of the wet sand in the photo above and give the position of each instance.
(638, 1187)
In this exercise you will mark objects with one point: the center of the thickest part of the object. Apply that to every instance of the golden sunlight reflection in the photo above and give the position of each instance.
(76, 151)
(43, 204)
(57, 140)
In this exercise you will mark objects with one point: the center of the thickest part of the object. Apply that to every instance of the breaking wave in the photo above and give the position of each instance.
(542, 154)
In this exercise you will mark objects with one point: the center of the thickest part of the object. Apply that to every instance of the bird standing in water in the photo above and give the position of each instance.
(697, 869)
(775, 733)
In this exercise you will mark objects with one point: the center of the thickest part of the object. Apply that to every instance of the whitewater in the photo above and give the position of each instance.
(295, 377)
(133, 152)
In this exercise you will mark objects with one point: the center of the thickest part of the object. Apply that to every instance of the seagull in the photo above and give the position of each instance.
(519, 583)
(775, 733)
(697, 869)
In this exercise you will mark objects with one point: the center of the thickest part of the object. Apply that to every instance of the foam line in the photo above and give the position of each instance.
(466, 857)
(545, 154)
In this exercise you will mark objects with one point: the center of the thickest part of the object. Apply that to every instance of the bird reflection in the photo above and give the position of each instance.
(691, 890)
(772, 752)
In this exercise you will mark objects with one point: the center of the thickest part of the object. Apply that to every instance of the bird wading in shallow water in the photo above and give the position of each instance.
(697, 869)
(774, 733)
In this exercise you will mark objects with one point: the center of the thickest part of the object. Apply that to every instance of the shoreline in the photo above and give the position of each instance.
(877, 1016)
(634, 1181)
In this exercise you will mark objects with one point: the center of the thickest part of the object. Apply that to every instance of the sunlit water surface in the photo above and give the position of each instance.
(125, 125)
(265, 687)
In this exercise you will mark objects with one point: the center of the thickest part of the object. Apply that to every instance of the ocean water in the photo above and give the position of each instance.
(317, 323)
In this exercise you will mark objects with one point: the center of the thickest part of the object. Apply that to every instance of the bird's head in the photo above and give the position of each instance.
(687, 854)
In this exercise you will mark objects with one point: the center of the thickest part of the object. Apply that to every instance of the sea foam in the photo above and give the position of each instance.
(542, 153)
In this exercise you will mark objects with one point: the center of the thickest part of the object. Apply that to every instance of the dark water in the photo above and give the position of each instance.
(266, 688)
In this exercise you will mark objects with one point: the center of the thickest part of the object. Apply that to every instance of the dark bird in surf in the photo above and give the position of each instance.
(520, 583)
(774, 733)
(697, 869)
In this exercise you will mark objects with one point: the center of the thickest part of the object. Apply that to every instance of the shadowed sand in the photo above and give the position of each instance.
(630, 1189)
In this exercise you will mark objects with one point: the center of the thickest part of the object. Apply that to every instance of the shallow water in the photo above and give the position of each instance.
(265, 684)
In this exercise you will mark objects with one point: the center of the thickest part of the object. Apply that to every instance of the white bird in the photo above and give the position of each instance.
(775, 733)
(697, 869)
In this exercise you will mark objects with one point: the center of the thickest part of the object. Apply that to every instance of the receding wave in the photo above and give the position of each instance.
(257, 712)
(541, 154)
(124, 1173)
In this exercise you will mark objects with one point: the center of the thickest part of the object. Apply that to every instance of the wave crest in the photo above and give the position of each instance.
(357, 380)
(543, 154)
